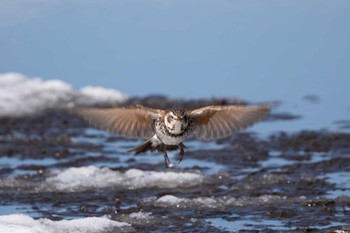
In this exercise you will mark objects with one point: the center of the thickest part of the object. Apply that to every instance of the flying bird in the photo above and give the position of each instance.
(167, 129)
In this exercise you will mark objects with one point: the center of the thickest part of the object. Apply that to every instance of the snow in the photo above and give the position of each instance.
(20, 223)
(141, 216)
(20, 95)
(171, 201)
(78, 179)
(83, 178)
(90, 95)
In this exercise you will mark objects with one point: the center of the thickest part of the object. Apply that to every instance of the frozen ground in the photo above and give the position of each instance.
(57, 174)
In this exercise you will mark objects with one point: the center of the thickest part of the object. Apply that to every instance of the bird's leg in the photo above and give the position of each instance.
(168, 164)
(182, 152)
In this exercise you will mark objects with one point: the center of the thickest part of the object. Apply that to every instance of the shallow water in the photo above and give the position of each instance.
(55, 167)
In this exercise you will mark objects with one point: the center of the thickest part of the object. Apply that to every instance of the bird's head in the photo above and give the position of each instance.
(176, 121)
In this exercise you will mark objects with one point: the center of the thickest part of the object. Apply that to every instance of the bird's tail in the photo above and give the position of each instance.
(153, 144)
(148, 145)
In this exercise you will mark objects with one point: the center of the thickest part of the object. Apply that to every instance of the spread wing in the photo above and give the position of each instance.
(134, 122)
(214, 122)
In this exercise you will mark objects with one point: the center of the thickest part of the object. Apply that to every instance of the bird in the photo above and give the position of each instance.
(166, 130)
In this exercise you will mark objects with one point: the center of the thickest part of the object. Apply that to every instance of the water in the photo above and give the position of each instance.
(341, 181)
(249, 223)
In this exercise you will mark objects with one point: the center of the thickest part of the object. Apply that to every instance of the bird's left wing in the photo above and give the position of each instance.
(214, 122)
(133, 122)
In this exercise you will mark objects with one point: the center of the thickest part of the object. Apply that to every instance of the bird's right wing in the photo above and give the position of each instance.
(134, 122)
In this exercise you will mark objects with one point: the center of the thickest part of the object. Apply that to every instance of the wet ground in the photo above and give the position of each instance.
(55, 166)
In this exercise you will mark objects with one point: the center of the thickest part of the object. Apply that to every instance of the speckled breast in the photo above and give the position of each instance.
(171, 139)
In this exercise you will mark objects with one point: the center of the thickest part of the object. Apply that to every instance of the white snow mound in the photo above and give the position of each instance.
(20, 95)
(77, 179)
(20, 223)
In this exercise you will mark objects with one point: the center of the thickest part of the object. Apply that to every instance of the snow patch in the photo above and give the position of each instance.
(83, 178)
(20, 95)
(19, 223)
(141, 215)
(91, 177)
(94, 95)
(170, 201)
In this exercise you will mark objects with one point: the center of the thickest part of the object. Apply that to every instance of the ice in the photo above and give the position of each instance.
(20, 95)
(91, 177)
(19, 223)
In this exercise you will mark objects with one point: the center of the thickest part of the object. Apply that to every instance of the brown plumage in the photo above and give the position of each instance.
(166, 129)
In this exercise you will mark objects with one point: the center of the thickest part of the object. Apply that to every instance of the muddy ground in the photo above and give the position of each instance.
(283, 182)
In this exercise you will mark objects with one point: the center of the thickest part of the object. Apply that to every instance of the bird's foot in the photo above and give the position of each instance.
(182, 152)
(180, 156)
(168, 164)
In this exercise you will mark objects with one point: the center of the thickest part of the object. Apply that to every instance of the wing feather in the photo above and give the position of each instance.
(214, 122)
(134, 122)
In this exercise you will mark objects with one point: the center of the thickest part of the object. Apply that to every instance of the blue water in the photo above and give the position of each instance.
(249, 223)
